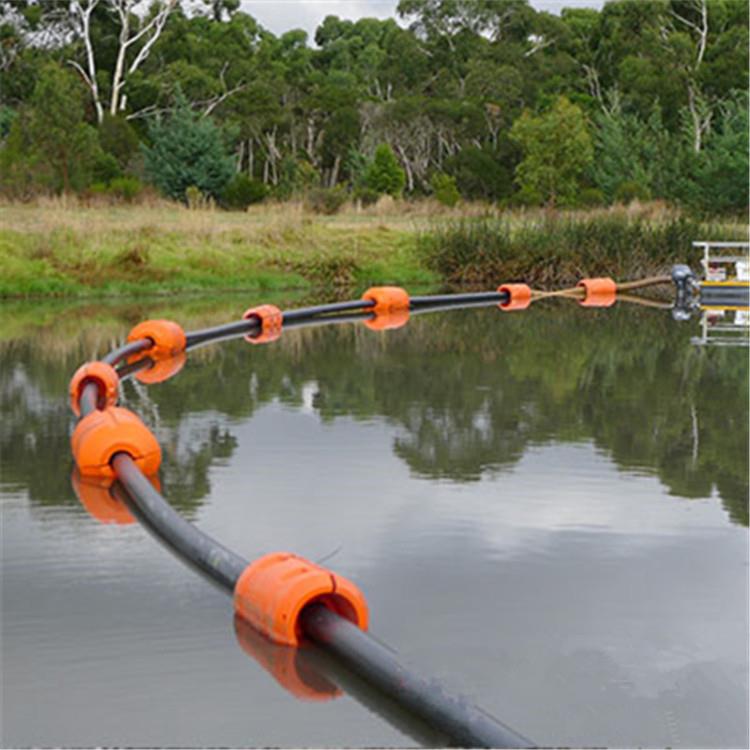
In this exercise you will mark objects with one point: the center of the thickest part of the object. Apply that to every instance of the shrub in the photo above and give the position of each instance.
(105, 168)
(326, 200)
(590, 197)
(296, 176)
(366, 196)
(118, 139)
(384, 174)
(444, 187)
(125, 188)
(629, 191)
(557, 149)
(242, 191)
(196, 200)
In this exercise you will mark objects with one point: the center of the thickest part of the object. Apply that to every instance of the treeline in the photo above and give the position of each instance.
(475, 99)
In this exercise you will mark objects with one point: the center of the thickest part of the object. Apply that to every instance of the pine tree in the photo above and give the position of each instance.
(187, 151)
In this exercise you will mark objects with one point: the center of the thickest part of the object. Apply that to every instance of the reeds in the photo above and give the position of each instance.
(557, 248)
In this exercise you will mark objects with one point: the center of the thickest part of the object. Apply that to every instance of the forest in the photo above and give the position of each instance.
(486, 100)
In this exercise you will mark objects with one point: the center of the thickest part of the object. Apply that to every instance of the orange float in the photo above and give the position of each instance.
(387, 299)
(102, 434)
(167, 336)
(271, 320)
(93, 493)
(105, 378)
(601, 292)
(161, 369)
(273, 590)
(519, 296)
(289, 666)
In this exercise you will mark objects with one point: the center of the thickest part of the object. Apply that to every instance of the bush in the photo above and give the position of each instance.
(591, 197)
(196, 200)
(630, 191)
(326, 200)
(125, 188)
(296, 177)
(384, 175)
(242, 191)
(366, 196)
(105, 168)
(118, 138)
(444, 187)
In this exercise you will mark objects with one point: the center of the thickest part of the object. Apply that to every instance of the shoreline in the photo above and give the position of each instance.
(63, 251)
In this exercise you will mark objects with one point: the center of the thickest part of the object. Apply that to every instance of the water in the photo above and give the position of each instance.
(547, 510)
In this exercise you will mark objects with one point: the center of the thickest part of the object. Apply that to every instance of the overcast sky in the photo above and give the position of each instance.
(279, 16)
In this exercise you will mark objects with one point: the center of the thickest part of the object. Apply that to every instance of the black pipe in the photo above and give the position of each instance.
(463, 722)
(127, 350)
(460, 720)
(188, 542)
(458, 299)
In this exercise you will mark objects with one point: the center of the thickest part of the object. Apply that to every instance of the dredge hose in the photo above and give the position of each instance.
(325, 621)
(455, 719)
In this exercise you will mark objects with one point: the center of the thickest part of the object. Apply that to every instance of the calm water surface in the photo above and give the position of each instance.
(547, 510)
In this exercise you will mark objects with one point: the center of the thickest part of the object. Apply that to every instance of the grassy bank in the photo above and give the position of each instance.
(84, 251)
(72, 250)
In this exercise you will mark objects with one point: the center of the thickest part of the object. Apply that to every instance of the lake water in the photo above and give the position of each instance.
(547, 510)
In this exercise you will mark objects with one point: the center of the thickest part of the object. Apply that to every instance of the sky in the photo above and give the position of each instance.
(279, 16)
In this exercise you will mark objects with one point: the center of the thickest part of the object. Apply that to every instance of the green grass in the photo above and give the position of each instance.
(74, 261)
(74, 250)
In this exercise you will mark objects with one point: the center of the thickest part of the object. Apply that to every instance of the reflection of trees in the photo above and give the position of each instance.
(36, 424)
(467, 392)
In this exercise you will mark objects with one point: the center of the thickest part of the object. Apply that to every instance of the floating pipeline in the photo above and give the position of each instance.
(304, 624)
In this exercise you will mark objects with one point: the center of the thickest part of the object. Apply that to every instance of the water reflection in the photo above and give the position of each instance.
(494, 483)
(469, 392)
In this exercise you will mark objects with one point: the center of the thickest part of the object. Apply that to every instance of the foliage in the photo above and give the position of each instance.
(7, 115)
(557, 150)
(242, 191)
(326, 201)
(558, 248)
(631, 190)
(297, 177)
(444, 187)
(480, 91)
(105, 168)
(635, 158)
(119, 139)
(126, 188)
(49, 145)
(187, 150)
(384, 174)
(721, 172)
(479, 173)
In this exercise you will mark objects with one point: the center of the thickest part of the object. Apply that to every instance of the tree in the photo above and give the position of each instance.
(135, 33)
(50, 144)
(384, 173)
(721, 174)
(637, 152)
(187, 150)
(557, 151)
